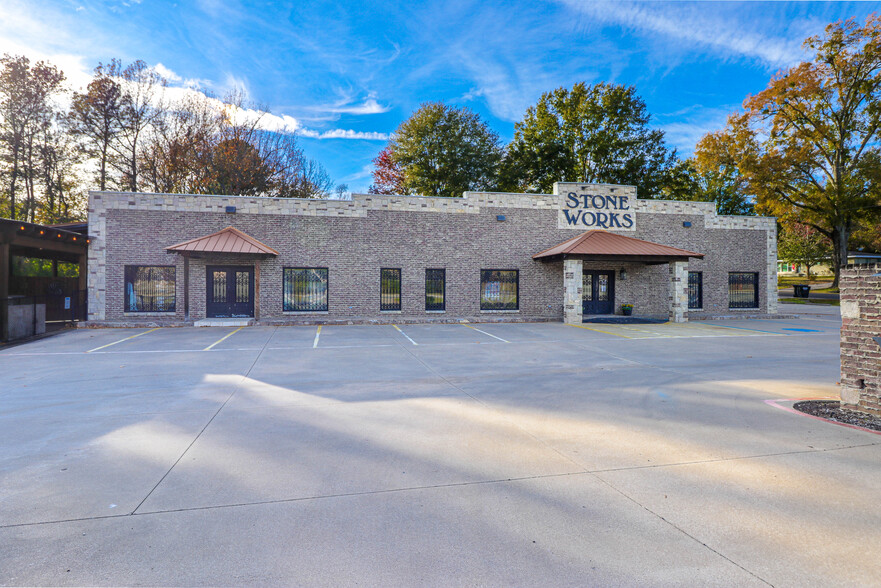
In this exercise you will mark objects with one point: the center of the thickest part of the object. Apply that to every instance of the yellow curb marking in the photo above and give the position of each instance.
(222, 339)
(599, 331)
(121, 340)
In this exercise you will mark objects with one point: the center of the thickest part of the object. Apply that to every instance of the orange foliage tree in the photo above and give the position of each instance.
(808, 145)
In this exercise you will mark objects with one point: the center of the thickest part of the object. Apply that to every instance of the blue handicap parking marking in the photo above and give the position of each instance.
(804, 330)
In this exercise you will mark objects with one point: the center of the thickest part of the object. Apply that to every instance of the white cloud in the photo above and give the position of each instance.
(274, 122)
(718, 30)
(167, 74)
(344, 134)
(369, 106)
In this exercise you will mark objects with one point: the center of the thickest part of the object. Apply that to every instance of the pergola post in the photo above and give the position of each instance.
(4, 289)
(678, 291)
(572, 286)
(186, 287)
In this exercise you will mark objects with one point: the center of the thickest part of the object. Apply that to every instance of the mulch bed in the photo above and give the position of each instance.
(831, 409)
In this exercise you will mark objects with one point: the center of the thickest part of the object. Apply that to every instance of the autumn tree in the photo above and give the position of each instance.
(140, 107)
(60, 160)
(95, 117)
(174, 156)
(441, 151)
(689, 180)
(247, 159)
(591, 133)
(388, 177)
(27, 110)
(803, 245)
(808, 144)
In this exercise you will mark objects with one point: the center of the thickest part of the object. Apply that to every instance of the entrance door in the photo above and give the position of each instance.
(230, 291)
(598, 292)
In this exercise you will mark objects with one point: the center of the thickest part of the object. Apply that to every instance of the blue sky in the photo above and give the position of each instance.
(347, 74)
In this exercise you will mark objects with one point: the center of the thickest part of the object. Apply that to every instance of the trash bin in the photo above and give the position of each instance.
(802, 291)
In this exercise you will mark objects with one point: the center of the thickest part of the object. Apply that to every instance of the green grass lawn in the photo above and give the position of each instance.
(809, 301)
(789, 281)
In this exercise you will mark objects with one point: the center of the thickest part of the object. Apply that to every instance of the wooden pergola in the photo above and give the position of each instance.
(41, 241)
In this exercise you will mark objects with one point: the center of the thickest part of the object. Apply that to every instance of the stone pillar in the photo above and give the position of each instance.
(678, 291)
(572, 270)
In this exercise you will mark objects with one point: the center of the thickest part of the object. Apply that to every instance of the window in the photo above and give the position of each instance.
(499, 289)
(695, 290)
(149, 288)
(389, 289)
(743, 290)
(305, 289)
(435, 288)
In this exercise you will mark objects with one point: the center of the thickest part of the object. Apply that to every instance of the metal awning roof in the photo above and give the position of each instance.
(602, 245)
(228, 240)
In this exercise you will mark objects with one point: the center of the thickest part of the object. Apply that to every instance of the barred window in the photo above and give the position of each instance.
(435, 288)
(149, 288)
(499, 289)
(305, 289)
(695, 290)
(389, 289)
(743, 290)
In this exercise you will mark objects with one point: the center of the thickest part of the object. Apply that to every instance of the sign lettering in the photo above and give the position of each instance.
(597, 211)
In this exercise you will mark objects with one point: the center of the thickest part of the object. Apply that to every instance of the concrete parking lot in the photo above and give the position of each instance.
(470, 454)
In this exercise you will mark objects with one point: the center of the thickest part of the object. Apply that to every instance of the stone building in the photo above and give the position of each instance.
(587, 249)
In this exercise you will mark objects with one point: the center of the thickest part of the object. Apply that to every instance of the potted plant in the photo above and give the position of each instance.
(627, 309)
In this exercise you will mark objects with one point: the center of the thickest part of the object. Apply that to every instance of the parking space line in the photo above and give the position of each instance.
(317, 335)
(599, 331)
(222, 339)
(405, 335)
(485, 333)
(122, 340)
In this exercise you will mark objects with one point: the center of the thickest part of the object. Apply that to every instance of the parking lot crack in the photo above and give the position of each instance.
(210, 420)
(680, 529)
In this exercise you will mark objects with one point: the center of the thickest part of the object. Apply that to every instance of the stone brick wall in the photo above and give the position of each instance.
(354, 239)
(860, 354)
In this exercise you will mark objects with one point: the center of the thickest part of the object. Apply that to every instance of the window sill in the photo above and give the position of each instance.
(303, 312)
(435, 311)
(500, 311)
(137, 314)
(750, 309)
(390, 311)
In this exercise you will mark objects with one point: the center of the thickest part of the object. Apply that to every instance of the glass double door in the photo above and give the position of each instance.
(598, 292)
(230, 292)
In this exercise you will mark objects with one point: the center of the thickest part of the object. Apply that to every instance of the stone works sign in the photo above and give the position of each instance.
(596, 206)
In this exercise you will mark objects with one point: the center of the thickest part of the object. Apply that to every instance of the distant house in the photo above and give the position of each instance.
(785, 268)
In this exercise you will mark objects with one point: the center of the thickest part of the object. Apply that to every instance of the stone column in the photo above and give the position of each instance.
(678, 291)
(572, 269)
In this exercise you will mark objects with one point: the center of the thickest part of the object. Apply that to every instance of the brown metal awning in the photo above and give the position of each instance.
(229, 240)
(604, 246)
